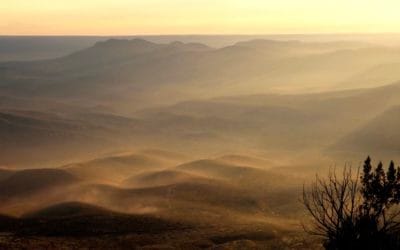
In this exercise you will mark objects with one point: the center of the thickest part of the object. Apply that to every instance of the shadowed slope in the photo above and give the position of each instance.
(380, 136)
(68, 209)
(246, 160)
(162, 177)
(34, 138)
(115, 168)
(177, 200)
(5, 173)
(27, 182)
(80, 219)
(244, 174)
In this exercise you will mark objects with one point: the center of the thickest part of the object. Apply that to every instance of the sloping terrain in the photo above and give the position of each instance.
(152, 138)
(5, 173)
(181, 200)
(380, 135)
(161, 178)
(28, 182)
(74, 224)
(115, 168)
(89, 103)
(83, 220)
(246, 160)
(30, 138)
(68, 209)
(229, 124)
(112, 72)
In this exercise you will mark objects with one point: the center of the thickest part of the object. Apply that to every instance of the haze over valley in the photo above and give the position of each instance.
(212, 138)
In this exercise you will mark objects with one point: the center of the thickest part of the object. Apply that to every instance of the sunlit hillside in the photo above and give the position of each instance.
(199, 124)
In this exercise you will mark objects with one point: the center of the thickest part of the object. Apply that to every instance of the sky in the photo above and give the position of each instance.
(133, 17)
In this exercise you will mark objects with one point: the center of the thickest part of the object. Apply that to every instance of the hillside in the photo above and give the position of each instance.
(246, 122)
(161, 178)
(115, 168)
(121, 94)
(75, 224)
(80, 219)
(30, 138)
(68, 209)
(119, 69)
(379, 136)
(28, 182)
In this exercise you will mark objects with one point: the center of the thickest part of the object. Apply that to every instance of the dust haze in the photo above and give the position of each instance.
(204, 140)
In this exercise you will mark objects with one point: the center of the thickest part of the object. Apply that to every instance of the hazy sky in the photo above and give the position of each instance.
(130, 17)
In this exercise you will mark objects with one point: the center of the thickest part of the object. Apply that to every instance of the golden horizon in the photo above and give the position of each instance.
(189, 17)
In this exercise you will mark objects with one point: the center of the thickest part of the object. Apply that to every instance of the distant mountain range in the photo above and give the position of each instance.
(121, 94)
(23, 48)
(131, 74)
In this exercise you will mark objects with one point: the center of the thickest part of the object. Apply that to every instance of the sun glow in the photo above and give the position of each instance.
(125, 17)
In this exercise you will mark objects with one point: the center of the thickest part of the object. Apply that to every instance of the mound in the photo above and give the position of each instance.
(68, 209)
(178, 199)
(7, 222)
(80, 219)
(164, 154)
(246, 160)
(115, 168)
(30, 138)
(5, 173)
(260, 181)
(220, 169)
(27, 182)
(163, 177)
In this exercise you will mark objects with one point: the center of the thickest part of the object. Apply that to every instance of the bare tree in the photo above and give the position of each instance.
(353, 214)
(333, 204)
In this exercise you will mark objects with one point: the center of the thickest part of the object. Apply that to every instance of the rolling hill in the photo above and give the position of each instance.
(379, 136)
(143, 142)
(248, 122)
(161, 178)
(188, 201)
(80, 219)
(83, 105)
(28, 182)
(30, 138)
(75, 224)
(116, 168)
(68, 209)
(113, 71)
(246, 160)
(91, 102)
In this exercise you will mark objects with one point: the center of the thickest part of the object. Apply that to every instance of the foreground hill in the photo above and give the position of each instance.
(221, 170)
(206, 186)
(178, 200)
(69, 209)
(83, 220)
(246, 160)
(115, 168)
(28, 182)
(74, 224)
(5, 173)
(161, 178)
(260, 182)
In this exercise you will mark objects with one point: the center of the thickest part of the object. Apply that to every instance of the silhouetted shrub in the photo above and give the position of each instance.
(353, 212)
